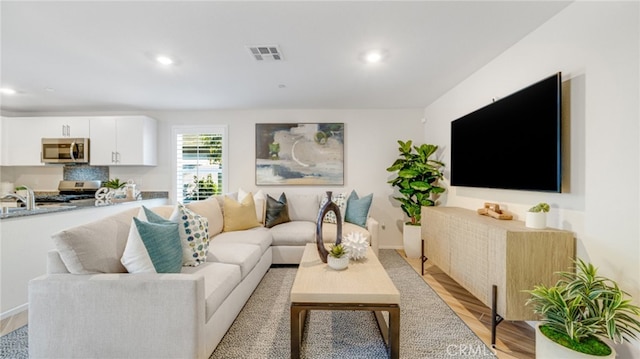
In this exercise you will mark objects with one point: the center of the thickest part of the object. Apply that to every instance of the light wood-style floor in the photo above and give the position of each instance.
(514, 339)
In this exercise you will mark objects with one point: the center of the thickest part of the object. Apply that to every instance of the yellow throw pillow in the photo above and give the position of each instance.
(239, 215)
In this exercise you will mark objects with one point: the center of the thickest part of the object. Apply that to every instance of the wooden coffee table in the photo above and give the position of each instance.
(364, 285)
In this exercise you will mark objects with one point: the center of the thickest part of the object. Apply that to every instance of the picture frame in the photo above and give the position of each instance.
(292, 154)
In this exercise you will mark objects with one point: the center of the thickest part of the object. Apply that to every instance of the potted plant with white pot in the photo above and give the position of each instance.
(338, 258)
(537, 216)
(580, 310)
(417, 181)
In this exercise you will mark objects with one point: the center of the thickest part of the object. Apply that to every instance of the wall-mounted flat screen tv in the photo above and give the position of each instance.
(512, 143)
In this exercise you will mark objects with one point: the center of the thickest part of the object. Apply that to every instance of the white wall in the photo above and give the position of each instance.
(370, 147)
(596, 46)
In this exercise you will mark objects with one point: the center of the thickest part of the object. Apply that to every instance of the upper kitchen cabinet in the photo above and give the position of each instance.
(22, 136)
(61, 127)
(123, 141)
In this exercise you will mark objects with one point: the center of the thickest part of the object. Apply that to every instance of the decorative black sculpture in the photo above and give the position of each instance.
(327, 207)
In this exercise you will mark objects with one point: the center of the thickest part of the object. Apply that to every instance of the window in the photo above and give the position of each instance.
(199, 162)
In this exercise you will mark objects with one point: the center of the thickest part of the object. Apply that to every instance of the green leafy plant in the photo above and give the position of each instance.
(21, 188)
(201, 188)
(583, 306)
(114, 183)
(540, 207)
(417, 178)
(337, 251)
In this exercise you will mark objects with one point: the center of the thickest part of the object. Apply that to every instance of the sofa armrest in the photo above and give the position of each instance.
(116, 315)
(372, 227)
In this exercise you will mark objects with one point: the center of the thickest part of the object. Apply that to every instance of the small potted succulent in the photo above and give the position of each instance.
(537, 216)
(338, 258)
(580, 310)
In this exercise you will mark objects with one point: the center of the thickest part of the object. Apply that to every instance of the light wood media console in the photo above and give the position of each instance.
(495, 260)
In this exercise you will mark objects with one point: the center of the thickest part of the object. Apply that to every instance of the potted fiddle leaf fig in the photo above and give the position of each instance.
(580, 310)
(417, 176)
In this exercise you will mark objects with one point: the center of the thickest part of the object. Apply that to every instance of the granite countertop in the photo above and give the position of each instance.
(82, 204)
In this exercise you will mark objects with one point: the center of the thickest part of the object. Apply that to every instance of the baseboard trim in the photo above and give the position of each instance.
(16, 310)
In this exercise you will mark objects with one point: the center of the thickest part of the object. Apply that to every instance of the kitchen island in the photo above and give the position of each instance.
(25, 240)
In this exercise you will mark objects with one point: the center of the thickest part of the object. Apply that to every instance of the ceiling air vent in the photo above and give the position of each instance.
(266, 52)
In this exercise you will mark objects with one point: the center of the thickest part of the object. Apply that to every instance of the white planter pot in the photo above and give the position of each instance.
(536, 220)
(412, 241)
(548, 349)
(338, 263)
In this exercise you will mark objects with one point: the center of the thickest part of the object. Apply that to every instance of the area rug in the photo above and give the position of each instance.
(428, 327)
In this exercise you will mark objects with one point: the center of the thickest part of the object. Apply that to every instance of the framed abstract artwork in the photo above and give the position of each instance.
(299, 154)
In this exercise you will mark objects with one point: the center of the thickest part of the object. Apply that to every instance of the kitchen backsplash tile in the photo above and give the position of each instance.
(85, 173)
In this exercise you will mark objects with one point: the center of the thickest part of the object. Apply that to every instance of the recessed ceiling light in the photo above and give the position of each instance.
(7, 91)
(164, 60)
(374, 56)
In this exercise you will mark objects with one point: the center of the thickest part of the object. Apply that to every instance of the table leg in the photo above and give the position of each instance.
(296, 331)
(394, 333)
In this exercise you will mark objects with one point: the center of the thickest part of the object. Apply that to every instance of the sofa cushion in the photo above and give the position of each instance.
(340, 199)
(209, 208)
(194, 235)
(358, 209)
(95, 247)
(259, 236)
(244, 255)
(239, 215)
(277, 211)
(329, 231)
(295, 233)
(153, 247)
(220, 279)
(303, 207)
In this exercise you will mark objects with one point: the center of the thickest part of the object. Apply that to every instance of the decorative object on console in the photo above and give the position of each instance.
(299, 154)
(338, 258)
(493, 210)
(578, 310)
(356, 245)
(329, 206)
(537, 216)
(417, 181)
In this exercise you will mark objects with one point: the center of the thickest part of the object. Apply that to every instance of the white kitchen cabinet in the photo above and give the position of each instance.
(64, 127)
(22, 136)
(123, 141)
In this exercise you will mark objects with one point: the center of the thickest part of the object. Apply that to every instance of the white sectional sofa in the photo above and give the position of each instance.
(88, 306)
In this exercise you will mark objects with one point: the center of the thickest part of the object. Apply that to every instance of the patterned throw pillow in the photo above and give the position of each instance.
(277, 211)
(153, 246)
(194, 235)
(341, 200)
(358, 209)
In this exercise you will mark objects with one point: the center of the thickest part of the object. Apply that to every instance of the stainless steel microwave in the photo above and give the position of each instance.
(65, 150)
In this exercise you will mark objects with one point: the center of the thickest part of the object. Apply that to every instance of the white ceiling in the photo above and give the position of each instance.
(98, 56)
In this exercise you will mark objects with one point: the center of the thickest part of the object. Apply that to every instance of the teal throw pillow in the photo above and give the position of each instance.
(358, 209)
(162, 244)
(277, 211)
